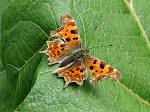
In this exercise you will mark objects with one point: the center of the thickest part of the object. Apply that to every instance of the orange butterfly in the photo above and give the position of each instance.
(74, 61)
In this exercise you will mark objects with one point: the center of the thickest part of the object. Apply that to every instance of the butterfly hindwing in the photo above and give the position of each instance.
(74, 72)
(100, 69)
(57, 50)
(68, 31)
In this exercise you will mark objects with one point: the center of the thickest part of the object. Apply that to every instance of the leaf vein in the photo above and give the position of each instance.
(133, 13)
(134, 94)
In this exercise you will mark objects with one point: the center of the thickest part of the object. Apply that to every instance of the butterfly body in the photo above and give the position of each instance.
(74, 60)
(80, 54)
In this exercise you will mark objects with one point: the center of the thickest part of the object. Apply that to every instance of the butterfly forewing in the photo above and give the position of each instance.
(68, 31)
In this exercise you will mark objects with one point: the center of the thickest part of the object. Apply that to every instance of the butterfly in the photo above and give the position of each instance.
(66, 49)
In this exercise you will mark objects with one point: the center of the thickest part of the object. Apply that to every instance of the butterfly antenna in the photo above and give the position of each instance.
(93, 36)
(110, 45)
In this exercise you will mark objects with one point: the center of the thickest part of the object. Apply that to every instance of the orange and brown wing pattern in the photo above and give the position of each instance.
(57, 50)
(100, 70)
(68, 31)
(74, 72)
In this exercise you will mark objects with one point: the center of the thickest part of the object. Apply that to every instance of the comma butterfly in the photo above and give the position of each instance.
(74, 60)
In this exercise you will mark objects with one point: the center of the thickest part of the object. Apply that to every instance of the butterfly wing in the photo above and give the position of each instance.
(74, 72)
(68, 32)
(57, 51)
(100, 69)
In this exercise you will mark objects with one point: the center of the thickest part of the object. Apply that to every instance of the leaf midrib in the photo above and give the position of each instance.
(136, 18)
(133, 13)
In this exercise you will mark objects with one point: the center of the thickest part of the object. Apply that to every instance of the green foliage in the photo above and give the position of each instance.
(6, 96)
(26, 25)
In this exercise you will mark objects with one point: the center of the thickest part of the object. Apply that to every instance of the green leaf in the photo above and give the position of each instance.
(23, 56)
(101, 23)
(6, 93)
(3, 4)
(138, 11)
(143, 14)
(48, 95)
(6, 96)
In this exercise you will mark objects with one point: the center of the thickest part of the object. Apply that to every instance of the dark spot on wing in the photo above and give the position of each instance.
(62, 45)
(94, 62)
(81, 70)
(75, 38)
(101, 71)
(91, 67)
(78, 69)
(74, 31)
(102, 65)
(55, 55)
(58, 52)
(67, 39)
(62, 49)
(71, 71)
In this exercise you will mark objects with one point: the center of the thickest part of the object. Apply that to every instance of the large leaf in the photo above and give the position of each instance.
(100, 22)
(142, 12)
(23, 56)
(48, 95)
(138, 10)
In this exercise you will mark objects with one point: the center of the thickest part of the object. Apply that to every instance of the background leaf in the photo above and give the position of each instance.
(142, 11)
(138, 12)
(102, 23)
(6, 96)
(26, 49)
(3, 3)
